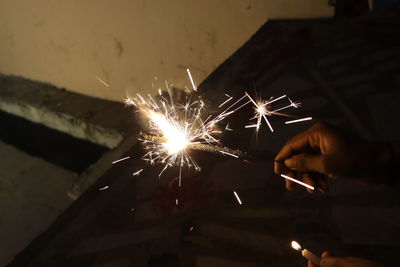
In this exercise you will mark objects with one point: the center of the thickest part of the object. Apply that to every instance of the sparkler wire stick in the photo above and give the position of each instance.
(203, 147)
(236, 153)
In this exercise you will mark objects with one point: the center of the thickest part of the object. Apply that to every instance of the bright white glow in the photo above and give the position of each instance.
(298, 120)
(297, 181)
(296, 245)
(175, 140)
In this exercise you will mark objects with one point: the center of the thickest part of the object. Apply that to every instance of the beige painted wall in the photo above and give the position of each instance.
(129, 42)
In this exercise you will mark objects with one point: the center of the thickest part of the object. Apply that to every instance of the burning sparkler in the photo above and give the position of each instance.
(176, 129)
(173, 130)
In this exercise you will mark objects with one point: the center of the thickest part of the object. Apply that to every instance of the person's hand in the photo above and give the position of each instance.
(328, 261)
(325, 151)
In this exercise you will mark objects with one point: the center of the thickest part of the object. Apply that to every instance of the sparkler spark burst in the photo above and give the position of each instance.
(263, 108)
(175, 129)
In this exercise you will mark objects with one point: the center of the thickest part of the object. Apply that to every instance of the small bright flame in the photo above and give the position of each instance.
(175, 140)
(296, 245)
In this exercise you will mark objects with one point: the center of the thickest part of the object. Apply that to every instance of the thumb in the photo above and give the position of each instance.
(306, 162)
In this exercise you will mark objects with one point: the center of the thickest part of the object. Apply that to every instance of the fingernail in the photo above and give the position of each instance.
(289, 163)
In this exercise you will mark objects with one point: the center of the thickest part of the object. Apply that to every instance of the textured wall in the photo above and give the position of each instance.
(129, 42)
